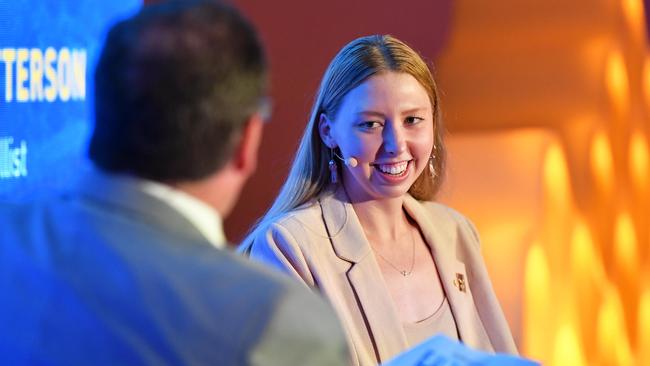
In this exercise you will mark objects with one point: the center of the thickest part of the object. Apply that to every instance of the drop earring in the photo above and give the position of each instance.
(334, 174)
(432, 158)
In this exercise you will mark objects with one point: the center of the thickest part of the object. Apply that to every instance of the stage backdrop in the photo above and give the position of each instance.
(48, 50)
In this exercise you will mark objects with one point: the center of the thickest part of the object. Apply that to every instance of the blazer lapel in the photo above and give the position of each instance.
(441, 236)
(350, 244)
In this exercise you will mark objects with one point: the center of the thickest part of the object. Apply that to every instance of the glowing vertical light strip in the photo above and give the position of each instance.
(643, 326)
(639, 161)
(634, 16)
(588, 278)
(646, 82)
(616, 79)
(626, 255)
(602, 162)
(568, 349)
(537, 297)
(613, 344)
(556, 177)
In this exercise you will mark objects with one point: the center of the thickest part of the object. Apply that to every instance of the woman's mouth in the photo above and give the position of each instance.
(393, 169)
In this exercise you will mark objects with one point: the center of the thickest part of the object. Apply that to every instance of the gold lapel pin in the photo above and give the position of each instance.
(459, 282)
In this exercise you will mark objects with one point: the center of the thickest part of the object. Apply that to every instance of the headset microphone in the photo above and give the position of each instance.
(351, 162)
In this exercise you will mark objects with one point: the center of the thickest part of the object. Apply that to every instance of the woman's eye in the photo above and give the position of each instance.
(411, 120)
(368, 125)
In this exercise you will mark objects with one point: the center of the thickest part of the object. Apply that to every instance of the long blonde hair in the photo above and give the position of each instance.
(360, 59)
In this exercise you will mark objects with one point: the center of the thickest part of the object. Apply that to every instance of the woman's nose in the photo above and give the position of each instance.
(394, 142)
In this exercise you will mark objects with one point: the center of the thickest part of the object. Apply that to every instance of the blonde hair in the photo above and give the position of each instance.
(360, 59)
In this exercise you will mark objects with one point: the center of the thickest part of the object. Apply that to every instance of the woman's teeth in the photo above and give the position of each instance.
(393, 169)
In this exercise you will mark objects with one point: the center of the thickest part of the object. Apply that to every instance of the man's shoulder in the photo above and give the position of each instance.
(167, 290)
(262, 311)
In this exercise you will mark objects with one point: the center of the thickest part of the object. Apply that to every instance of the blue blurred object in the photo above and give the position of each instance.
(48, 50)
(441, 351)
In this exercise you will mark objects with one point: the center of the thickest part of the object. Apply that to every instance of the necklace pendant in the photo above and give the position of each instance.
(404, 273)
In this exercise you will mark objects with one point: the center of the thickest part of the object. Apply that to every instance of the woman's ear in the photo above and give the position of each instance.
(325, 131)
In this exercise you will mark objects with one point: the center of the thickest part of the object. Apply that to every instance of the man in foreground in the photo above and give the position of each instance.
(123, 268)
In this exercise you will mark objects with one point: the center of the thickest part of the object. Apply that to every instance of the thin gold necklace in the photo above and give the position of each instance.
(404, 273)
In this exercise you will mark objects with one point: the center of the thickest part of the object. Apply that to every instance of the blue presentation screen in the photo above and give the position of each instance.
(48, 50)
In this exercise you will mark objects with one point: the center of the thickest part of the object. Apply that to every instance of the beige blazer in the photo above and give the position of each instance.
(323, 244)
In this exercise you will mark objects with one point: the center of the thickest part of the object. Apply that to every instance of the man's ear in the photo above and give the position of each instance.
(325, 131)
(245, 154)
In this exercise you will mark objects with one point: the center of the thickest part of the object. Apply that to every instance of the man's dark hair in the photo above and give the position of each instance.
(174, 86)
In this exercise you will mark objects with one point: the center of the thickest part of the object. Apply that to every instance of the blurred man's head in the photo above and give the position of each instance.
(178, 88)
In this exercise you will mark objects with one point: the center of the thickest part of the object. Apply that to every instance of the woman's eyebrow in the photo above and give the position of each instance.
(371, 113)
(414, 110)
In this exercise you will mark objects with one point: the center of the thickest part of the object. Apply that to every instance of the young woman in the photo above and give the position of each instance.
(356, 218)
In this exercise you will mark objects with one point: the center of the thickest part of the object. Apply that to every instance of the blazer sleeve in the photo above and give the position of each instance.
(487, 303)
(471, 228)
(278, 246)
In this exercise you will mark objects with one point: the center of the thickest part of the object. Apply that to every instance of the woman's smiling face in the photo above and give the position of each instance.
(386, 123)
